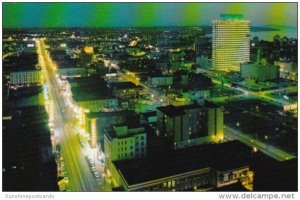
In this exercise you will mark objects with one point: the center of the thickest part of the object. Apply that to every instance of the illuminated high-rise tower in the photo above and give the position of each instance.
(231, 42)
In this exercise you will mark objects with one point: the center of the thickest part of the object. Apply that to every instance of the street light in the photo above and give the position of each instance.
(266, 137)
(254, 149)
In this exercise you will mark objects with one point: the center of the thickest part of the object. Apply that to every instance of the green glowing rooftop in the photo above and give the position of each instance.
(231, 17)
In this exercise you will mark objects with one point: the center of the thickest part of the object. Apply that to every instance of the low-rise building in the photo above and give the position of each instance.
(67, 72)
(287, 70)
(187, 65)
(174, 66)
(176, 56)
(24, 69)
(96, 122)
(96, 102)
(199, 168)
(90, 93)
(259, 72)
(160, 80)
(203, 62)
(20, 77)
(124, 141)
(126, 90)
(196, 94)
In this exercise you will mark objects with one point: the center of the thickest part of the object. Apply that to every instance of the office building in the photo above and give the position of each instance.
(190, 125)
(231, 42)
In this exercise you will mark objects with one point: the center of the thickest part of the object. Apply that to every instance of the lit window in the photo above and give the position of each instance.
(173, 183)
(169, 184)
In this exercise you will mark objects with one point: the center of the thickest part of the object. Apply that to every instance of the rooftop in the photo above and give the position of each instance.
(172, 110)
(231, 17)
(124, 85)
(136, 70)
(95, 92)
(89, 88)
(111, 132)
(127, 113)
(222, 157)
(86, 81)
(158, 75)
(22, 62)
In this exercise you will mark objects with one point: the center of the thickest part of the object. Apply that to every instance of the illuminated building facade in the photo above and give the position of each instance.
(230, 42)
(199, 180)
(67, 72)
(287, 70)
(124, 141)
(26, 77)
(87, 55)
(90, 93)
(126, 90)
(93, 133)
(190, 125)
(96, 122)
(204, 168)
(96, 104)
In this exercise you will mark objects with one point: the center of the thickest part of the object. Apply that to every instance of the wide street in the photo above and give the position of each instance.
(79, 174)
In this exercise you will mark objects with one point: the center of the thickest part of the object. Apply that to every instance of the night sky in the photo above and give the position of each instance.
(21, 15)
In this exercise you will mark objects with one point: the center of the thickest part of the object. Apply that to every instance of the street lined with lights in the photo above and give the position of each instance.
(80, 176)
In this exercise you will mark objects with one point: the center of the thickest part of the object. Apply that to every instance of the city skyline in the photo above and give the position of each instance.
(142, 14)
(150, 97)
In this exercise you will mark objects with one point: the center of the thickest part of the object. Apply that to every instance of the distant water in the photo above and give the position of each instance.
(290, 32)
